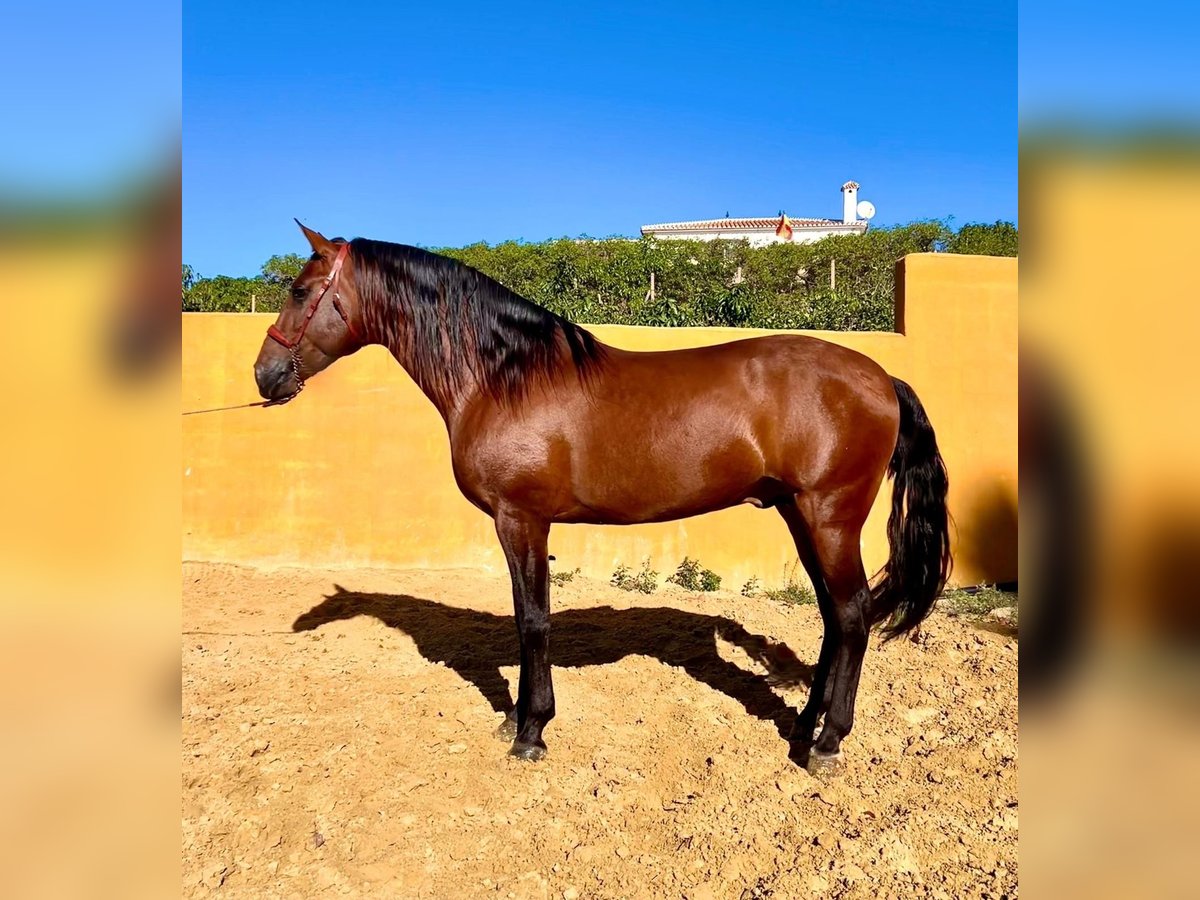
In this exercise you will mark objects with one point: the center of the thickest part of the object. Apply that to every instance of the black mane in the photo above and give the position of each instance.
(446, 320)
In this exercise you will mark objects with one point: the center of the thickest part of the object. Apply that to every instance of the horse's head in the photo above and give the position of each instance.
(319, 322)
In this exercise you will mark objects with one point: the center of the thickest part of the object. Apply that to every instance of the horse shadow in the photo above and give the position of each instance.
(475, 645)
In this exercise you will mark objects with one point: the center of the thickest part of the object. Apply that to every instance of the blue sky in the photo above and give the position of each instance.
(90, 94)
(1109, 64)
(442, 124)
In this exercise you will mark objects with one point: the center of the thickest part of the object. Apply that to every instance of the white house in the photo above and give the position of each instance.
(776, 230)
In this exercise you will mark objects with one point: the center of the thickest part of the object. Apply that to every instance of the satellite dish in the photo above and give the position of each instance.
(865, 209)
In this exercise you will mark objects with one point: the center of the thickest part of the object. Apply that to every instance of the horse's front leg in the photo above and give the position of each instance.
(524, 541)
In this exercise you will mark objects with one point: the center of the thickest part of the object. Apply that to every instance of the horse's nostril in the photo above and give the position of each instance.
(268, 377)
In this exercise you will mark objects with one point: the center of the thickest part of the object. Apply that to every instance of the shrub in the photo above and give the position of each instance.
(696, 282)
(563, 577)
(645, 581)
(999, 239)
(693, 577)
(794, 591)
(977, 601)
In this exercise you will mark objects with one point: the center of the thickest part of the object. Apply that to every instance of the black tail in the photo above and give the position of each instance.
(918, 527)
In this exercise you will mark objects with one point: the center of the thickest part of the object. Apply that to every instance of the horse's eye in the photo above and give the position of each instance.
(299, 292)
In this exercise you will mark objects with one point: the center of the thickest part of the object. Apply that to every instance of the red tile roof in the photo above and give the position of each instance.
(746, 224)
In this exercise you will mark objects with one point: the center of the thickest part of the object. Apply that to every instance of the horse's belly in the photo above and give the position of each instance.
(669, 509)
(651, 483)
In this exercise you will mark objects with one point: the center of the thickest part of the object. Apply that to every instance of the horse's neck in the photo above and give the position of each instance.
(446, 398)
(450, 393)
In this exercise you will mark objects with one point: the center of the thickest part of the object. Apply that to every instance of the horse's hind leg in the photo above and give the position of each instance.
(524, 542)
(837, 549)
(803, 731)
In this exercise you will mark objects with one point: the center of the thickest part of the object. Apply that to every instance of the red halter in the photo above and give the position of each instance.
(275, 334)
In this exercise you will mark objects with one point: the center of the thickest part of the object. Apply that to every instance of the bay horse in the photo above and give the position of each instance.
(549, 425)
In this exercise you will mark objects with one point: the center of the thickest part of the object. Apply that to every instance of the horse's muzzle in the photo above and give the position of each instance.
(275, 380)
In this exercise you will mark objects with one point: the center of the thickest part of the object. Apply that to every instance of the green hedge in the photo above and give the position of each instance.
(695, 282)
(224, 293)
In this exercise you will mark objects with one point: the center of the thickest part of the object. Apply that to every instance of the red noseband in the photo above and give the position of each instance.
(275, 334)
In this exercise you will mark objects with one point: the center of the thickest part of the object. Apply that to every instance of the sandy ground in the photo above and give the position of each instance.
(338, 739)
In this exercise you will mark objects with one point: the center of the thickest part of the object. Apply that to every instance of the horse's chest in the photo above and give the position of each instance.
(509, 466)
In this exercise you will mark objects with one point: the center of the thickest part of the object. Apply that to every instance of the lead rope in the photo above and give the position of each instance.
(295, 355)
(196, 412)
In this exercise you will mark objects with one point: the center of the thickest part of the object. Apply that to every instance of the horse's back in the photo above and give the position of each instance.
(810, 407)
(803, 372)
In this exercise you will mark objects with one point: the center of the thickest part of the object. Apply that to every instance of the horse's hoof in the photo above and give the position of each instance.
(507, 731)
(824, 765)
(527, 752)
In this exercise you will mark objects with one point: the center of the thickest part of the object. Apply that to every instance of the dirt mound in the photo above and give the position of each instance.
(338, 737)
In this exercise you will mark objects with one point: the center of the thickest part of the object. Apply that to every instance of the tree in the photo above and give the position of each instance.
(695, 282)
(997, 239)
(220, 294)
(283, 269)
(189, 281)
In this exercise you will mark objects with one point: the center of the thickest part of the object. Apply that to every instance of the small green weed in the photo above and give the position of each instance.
(794, 591)
(693, 577)
(563, 577)
(645, 581)
(979, 601)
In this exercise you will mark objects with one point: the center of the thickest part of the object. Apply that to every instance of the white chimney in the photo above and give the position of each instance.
(850, 201)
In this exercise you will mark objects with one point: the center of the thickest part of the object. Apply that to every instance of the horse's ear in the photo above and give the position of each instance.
(320, 244)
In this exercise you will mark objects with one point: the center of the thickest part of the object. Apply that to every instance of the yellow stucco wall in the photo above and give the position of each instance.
(357, 470)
